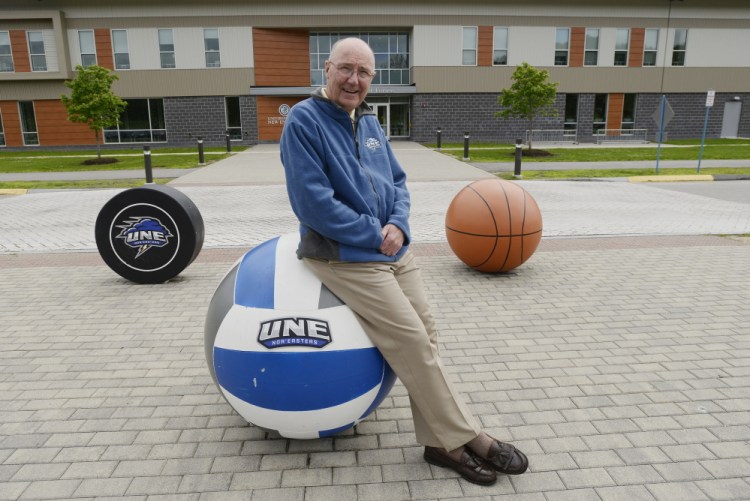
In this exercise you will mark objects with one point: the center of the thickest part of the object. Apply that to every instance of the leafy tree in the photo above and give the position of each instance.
(529, 96)
(92, 101)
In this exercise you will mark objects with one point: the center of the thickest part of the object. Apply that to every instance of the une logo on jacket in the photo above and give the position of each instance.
(372, 143)
(294, 332)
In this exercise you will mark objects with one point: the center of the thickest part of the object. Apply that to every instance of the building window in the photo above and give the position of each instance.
(2, 132)
(234, 122)
(591, 54)
(650, 46)
(628, 112)
(622, 40)
(36, 51)
(391, 55)
(469, 49)
(88, 48)
(211, 44)
(28, 123)
(562, 45)
(141, 122)
(6, 54)
(570, 126)
(166, 48)
(679, 48)
(500, 46)
(120, 49)
(600, 112)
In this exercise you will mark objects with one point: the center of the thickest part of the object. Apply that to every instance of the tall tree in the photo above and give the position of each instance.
(529, 96)
(92, 101)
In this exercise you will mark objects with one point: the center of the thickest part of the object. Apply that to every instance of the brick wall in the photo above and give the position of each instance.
(188, 118)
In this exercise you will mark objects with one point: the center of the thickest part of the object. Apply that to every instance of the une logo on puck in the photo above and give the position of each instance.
(143, 233)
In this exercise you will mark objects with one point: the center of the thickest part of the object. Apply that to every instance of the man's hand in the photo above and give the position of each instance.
(393, 240)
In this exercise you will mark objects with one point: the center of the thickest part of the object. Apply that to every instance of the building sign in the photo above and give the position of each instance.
(279, 120)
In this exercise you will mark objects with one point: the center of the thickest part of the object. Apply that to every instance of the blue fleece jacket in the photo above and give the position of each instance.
(343, 181)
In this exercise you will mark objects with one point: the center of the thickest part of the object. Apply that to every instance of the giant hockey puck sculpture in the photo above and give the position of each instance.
(149, 234)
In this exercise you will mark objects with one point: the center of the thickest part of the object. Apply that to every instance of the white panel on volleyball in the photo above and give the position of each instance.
(293, 276)
(303, 424)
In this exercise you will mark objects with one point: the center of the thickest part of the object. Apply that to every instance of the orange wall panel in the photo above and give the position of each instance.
(637, 40)
(103, 41)
(11, 123)
(614, 110)
(577, 46)
(270, 119)
(485, 46)
(55, 129)
(20, 49)
(282, 57)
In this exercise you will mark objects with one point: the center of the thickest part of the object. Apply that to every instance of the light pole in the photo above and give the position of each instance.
(663, 103)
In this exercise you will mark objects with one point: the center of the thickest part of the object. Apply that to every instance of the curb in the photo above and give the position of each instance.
(667, 179)
(13, 191)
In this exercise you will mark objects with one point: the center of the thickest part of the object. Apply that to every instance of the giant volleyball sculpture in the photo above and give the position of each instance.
(285, 352)
(493, 225)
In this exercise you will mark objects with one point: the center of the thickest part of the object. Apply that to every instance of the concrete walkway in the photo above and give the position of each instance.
(617, 357)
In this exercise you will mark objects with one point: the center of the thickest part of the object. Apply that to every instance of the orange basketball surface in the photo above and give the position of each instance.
(493, 225)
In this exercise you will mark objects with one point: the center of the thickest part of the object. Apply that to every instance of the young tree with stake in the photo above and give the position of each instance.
(529, 96)
(92, 101)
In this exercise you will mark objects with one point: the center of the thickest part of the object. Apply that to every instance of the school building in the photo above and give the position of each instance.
(191, 69)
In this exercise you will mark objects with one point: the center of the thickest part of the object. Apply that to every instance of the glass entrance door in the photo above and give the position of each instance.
(381, 110)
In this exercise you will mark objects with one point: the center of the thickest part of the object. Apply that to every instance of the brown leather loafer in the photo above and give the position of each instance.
(506, 459)
(470, 467)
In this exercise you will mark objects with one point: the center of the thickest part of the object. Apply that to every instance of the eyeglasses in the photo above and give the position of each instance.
(348, 70)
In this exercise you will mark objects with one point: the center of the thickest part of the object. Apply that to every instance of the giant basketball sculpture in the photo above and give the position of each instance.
(285, 352)
(493, 225)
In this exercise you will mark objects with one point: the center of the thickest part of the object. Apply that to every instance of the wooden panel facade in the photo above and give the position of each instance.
(282, 57)
(577, 46)
(103, 41)
(485, 46)
(56, 130)
(11, 123)
(637, 42)
(20, 49)
(614, 110)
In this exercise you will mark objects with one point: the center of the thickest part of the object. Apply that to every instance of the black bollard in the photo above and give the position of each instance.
(147, 164)
(201, 156)
(439, 138)
(519, 154)
(466, 146)
(229, 143)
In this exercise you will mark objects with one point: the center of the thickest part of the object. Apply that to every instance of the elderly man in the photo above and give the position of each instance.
(349, 193)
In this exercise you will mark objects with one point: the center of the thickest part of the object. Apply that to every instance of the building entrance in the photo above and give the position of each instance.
(393, 115)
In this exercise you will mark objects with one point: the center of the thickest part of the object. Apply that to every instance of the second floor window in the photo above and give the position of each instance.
(650, 46)
(562, 45)
(6, 54)
(591, 55)
(211, 44)
(621, 47)
(36, 51)
(469, 49)
(88, 48)
(500, 46)
(679, 48)
(120, 49)
(166, 49)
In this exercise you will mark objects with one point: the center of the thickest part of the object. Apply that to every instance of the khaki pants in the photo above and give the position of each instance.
(389, 302)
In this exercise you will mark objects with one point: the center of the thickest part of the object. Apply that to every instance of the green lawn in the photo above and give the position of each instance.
(48, 161)
(716, 149)
(79, 185)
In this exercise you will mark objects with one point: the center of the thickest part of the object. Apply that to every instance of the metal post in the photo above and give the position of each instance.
(661, 129)
(201, 157)
(439, 139)
(229, 143)
(703, 138)
(466, 146)
(519, 154)
(147, 164)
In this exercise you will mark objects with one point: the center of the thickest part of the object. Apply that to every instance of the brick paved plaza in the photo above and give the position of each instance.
(620, 364)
